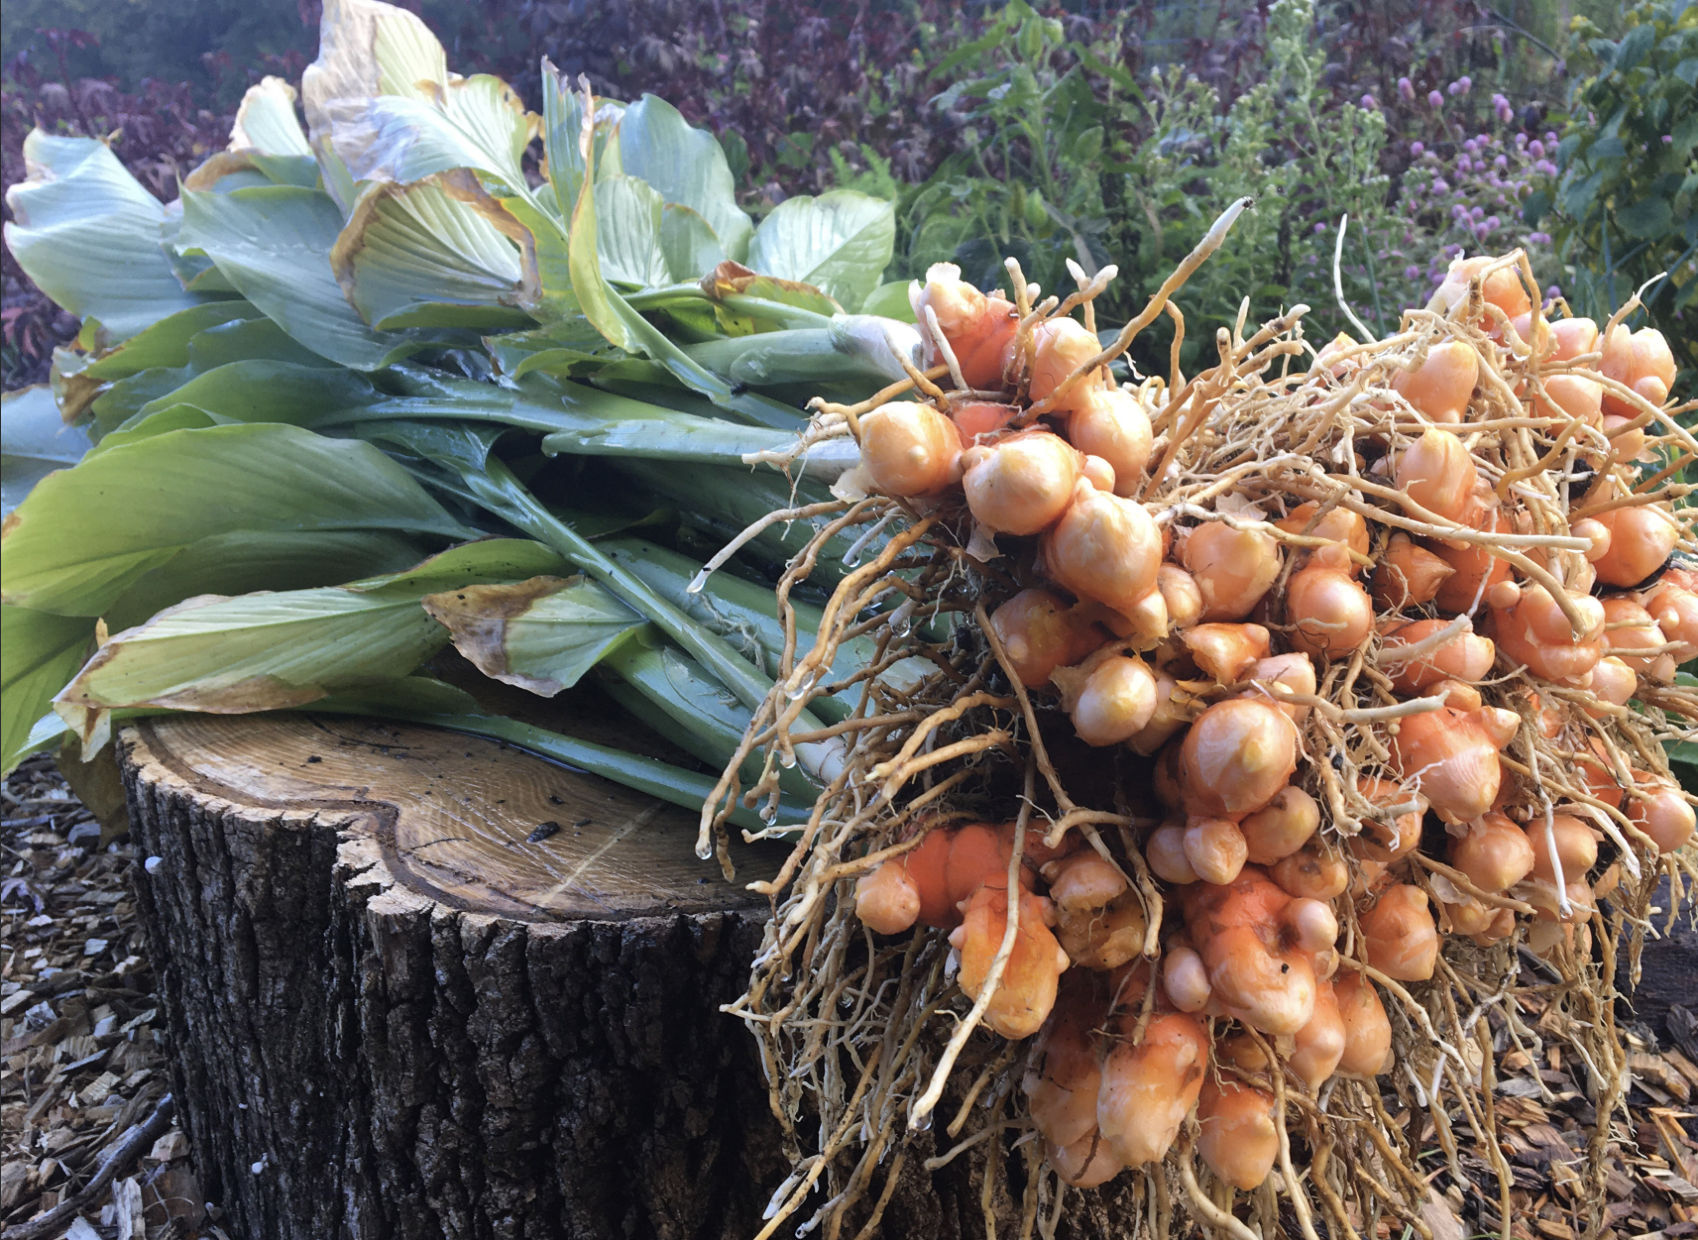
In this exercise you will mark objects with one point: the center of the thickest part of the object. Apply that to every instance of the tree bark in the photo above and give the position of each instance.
(422, 986)
(396, 1017)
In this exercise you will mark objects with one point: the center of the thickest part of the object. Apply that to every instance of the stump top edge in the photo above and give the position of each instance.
(469, 823)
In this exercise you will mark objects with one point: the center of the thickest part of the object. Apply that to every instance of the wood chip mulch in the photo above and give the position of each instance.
(85, 1061)
(81, 1033)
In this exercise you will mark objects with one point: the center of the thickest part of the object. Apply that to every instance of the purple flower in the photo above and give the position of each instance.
(1416, 148)
(1436, 99)
(1471, 145)
(1545, 168)
(1520, 139)
(1320, 228)
(1554, 291)
(1668, 139)
(1464, 164)
(1492, 222)
(1441, 186)
(1538, 238)
(1406, 88)
(1536, 149)
(1412, 272)
(1498, 101)
(1505, 113)
(1368, 102)
(1551, 139)
(1485, 139)
(1464, 84)
(1478, 213)
(1501, 163)
(1454, 89)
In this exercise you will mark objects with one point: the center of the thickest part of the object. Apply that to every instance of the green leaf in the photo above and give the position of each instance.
(485, 560)
(746, 615)
(542, 634)
(614, 318)
(88, 234)
(271, 651)
(366, 48)
(1647, 218)
(855, 347)
(274, 245)
(34, 441)
(267, 391)
(628, 232)
(263, 651)
(767, 298)
(840, 242)
(546, 291)
(243, 561)
(476, 122)
(669, 437)
(686, 166)
(414, 256)
(39, 652)
(696, 711)
(256, 339)
(677, 697)
(562, 127)
(266, 121)
(166, 343)
(85, 535)
(1633, 46)
(688, 243)
(890, 301)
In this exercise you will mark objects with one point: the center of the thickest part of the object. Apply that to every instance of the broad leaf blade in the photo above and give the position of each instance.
(624, 327)
(85, 535)
(166, 343)
(266, 121)
(628, 232)
(267, 391)
(273, 245)
(248, 560)
(273, 651)
(88, 234)
(263, 651)
(476, 122)
(413, 256)
(686, 166)
(840, 242)
(38, 654)
(34, 441)
(542, 634)
(688, 243)
(367, 48)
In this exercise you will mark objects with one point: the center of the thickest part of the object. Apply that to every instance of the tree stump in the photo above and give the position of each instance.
(421, 985)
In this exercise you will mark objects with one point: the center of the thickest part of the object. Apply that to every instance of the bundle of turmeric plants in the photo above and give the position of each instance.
(1271, 724)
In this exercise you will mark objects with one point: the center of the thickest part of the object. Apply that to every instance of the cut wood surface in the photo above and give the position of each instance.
(421, 985)
(475, 825)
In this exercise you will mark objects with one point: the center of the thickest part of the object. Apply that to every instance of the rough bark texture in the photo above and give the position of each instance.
(359, 1059)
(365, 1050)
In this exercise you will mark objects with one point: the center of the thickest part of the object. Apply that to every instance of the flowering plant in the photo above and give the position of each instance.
(1620, 196)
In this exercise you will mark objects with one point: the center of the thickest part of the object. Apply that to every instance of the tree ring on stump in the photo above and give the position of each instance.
(471, 823)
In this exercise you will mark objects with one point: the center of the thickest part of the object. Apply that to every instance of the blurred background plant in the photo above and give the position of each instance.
(1620, 201)
(1093, 131)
